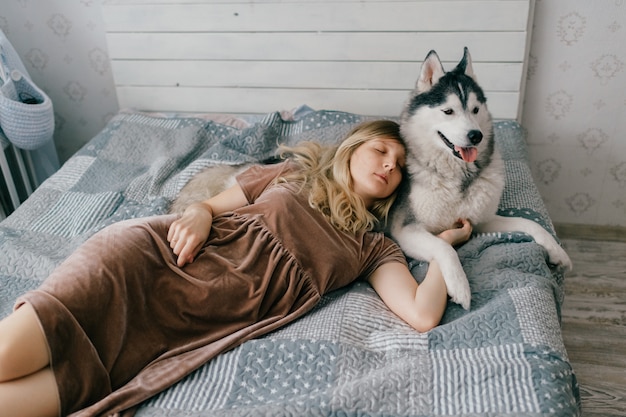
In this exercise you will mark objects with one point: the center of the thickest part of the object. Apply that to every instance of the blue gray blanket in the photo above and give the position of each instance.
(350, 356)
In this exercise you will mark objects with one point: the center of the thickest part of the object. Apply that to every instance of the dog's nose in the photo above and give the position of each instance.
(475, 136)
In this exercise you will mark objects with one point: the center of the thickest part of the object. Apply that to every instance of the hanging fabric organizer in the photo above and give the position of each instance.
(26, 112)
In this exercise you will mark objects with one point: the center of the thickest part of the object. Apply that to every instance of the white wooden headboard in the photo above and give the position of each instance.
(259, 56)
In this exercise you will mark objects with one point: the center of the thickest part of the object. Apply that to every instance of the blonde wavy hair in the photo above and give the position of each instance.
(325, 174)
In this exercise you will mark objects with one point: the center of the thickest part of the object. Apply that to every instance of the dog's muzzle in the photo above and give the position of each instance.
(467, 154)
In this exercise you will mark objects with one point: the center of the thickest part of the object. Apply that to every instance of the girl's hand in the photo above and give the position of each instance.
(459, 234)
(188, 234)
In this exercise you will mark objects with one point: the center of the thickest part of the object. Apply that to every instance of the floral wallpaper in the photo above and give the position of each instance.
(575, 106)
(63, 47)
(575, 109)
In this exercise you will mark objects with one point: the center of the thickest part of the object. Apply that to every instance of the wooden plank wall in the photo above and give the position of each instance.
(258, 56)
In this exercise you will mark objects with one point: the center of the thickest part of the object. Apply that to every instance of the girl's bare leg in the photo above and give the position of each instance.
(35, 395)
(27, 384)
(23, 346)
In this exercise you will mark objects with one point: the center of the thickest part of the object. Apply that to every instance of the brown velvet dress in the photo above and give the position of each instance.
(123, 322)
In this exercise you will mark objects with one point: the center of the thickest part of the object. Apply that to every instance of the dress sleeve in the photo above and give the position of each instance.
(257, 178)
(383, 250)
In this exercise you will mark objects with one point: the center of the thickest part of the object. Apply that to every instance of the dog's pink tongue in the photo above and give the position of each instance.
(468, 154)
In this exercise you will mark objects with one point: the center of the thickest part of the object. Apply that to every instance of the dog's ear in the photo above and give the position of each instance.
(465, 66)
(431, 72)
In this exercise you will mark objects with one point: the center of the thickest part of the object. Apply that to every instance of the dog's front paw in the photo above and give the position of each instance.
(461, 294)
(457, 285)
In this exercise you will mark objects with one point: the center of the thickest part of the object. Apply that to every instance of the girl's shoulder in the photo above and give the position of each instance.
(258, 177)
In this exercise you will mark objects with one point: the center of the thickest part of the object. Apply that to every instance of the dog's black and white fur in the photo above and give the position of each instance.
(455, 171)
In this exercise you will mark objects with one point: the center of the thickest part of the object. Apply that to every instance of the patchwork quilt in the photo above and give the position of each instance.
(351, 356)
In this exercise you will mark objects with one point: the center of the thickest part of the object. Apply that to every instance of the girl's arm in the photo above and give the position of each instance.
(423, 305)
(187, 234)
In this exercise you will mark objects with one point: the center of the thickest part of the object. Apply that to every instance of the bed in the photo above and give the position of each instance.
(350, 356)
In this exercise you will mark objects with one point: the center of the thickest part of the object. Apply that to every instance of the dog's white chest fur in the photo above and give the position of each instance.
(439, 201)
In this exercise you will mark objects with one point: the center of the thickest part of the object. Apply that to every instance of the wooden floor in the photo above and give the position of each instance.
(594, 324)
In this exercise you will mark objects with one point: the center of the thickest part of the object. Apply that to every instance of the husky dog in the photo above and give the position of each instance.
(455, 171)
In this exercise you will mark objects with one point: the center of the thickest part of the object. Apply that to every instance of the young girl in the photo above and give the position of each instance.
(144, 302)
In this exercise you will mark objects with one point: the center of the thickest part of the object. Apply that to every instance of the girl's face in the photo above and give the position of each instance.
(376, 169)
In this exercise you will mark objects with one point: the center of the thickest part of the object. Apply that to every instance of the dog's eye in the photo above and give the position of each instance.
(448, 111)
(475, 110)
